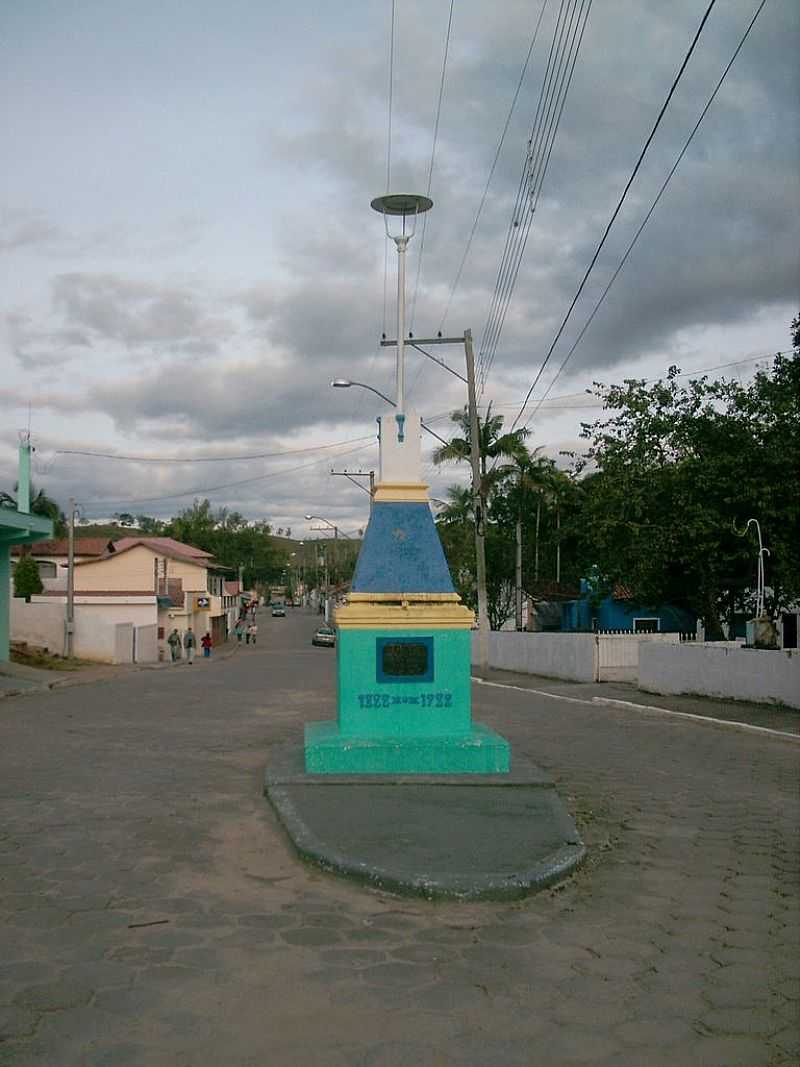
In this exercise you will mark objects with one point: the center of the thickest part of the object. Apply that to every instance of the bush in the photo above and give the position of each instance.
(27, 581)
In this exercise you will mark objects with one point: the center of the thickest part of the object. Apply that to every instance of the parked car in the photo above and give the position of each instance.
(278, 611)
(325, 637)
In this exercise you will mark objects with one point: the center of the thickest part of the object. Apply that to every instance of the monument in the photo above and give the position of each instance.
(403, 647)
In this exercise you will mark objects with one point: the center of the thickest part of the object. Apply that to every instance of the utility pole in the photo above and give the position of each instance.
(475, 458)
(518, 576)
(479, 507)
(70, 625)
(352, 475)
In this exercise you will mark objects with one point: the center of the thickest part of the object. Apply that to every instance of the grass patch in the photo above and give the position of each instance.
(37, 657)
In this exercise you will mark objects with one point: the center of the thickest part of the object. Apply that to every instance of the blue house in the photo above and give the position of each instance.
(619, 611)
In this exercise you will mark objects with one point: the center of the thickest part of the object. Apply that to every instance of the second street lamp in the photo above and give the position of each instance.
(346, 383)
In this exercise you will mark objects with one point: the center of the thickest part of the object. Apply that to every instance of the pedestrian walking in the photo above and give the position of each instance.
(189, 644)
(174, 642)
(246, 633)
(252, 632)
(206, 642)
(239, 629)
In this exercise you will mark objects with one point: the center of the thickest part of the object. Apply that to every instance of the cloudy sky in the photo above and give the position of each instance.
(189, 256)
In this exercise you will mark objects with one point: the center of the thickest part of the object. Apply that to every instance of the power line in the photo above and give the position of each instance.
(552, 101)
(391, 93)
(617, 209)
(207, 459)
(493, 166)
(521, 188)
(430, 168)
(95, 504)
(646, 219)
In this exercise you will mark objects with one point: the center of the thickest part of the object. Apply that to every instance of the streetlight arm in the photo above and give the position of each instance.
(345, 383)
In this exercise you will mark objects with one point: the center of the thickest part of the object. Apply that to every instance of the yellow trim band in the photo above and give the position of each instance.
(399, 598)
(379, 616)
(397, 492)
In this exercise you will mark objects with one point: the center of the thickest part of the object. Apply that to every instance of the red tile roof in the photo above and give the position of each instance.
(163, 544)
(232, 588)
(84, 546)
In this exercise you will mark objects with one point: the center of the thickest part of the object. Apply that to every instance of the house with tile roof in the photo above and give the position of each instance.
(152, 585)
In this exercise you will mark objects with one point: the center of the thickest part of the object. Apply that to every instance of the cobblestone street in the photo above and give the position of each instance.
(154, 914)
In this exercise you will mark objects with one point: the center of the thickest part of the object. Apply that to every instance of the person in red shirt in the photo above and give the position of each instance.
(205, 641)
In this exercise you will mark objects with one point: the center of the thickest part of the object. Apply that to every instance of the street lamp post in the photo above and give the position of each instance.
(405, 206)
(346, 383)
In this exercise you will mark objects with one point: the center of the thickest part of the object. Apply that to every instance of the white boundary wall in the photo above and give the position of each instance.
(716, 670)
(572, 657)
(97, 635)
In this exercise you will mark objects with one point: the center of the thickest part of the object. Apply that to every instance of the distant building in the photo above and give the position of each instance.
(618, 610)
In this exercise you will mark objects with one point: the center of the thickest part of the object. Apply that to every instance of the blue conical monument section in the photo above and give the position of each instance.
(401, 552)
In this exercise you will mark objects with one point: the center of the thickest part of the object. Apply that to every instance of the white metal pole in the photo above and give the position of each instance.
(402, 244)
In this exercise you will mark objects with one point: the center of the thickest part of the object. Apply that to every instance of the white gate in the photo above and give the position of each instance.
(618, 654)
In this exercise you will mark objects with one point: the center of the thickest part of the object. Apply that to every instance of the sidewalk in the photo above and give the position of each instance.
(16, 679)
(763, 716)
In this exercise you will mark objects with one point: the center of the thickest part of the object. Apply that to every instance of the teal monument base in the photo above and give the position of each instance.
(481, 751)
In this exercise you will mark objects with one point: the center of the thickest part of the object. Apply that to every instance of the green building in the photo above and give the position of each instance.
(17, 527)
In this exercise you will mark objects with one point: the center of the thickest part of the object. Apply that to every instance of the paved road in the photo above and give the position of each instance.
(153, 914)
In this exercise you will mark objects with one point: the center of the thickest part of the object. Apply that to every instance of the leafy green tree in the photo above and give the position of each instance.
(27, 580)
(678, 468)
(150, 526)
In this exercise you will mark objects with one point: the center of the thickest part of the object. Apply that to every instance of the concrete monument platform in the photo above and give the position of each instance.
(468, 837)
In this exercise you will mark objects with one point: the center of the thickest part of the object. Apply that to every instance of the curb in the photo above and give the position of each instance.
(709, 720)
(733, 723)
(459, 885)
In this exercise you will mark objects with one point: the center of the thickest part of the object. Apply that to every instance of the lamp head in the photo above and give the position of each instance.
(309, 518)
(406, 205)
(341, 383)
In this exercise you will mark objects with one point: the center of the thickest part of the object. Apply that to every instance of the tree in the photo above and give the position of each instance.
(41, 504)
(678, 469)
(150, 526)
(27, 580)
(493, 445)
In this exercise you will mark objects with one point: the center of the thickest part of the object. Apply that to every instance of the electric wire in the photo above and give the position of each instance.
(206, 459)
(520, 192)
(430, 168)
(542, 152)
(492, 169)
(101, 504)
(646, 219)
(618, 208)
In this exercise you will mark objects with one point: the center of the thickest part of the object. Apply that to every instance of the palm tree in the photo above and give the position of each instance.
(41, 504)
(493, 444)
(458, 506)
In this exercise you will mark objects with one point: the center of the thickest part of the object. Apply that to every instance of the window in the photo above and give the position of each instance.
(646, 626)
(404, 659)
(47, 569)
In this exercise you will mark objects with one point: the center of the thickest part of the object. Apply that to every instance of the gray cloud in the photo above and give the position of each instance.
(135, 312)
(184, 332)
